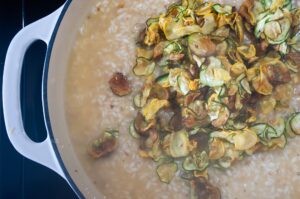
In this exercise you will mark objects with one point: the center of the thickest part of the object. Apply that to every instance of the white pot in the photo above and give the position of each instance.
(58, 31)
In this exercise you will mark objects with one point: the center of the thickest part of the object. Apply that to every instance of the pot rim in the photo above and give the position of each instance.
(45, 100)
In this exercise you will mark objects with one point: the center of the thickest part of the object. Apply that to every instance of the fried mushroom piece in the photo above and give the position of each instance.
(295, 57)
(277, 73)
(202, 189)
(201, 139)
(103, 145)
(119, 85)
(176, 121)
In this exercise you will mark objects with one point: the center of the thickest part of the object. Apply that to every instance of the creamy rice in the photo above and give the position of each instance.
(106, 44)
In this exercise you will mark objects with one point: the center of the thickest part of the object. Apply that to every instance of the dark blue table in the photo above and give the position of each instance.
(20, 177)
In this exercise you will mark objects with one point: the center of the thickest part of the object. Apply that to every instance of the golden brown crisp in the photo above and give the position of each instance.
(119, 84)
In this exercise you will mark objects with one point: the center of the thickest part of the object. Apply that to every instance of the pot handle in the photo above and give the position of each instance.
(43, 152)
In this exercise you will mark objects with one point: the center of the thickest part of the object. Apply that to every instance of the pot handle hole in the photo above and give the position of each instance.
(42, 153)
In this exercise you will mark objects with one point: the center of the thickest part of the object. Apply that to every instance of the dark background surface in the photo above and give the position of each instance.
(20, 177)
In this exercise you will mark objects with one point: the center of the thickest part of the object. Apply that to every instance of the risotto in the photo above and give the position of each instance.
(106, 44)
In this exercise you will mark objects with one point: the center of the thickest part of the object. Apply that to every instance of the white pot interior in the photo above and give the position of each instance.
(73, 18)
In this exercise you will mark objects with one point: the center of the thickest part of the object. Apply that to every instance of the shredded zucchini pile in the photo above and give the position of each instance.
(209, 70)
(274, 22)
